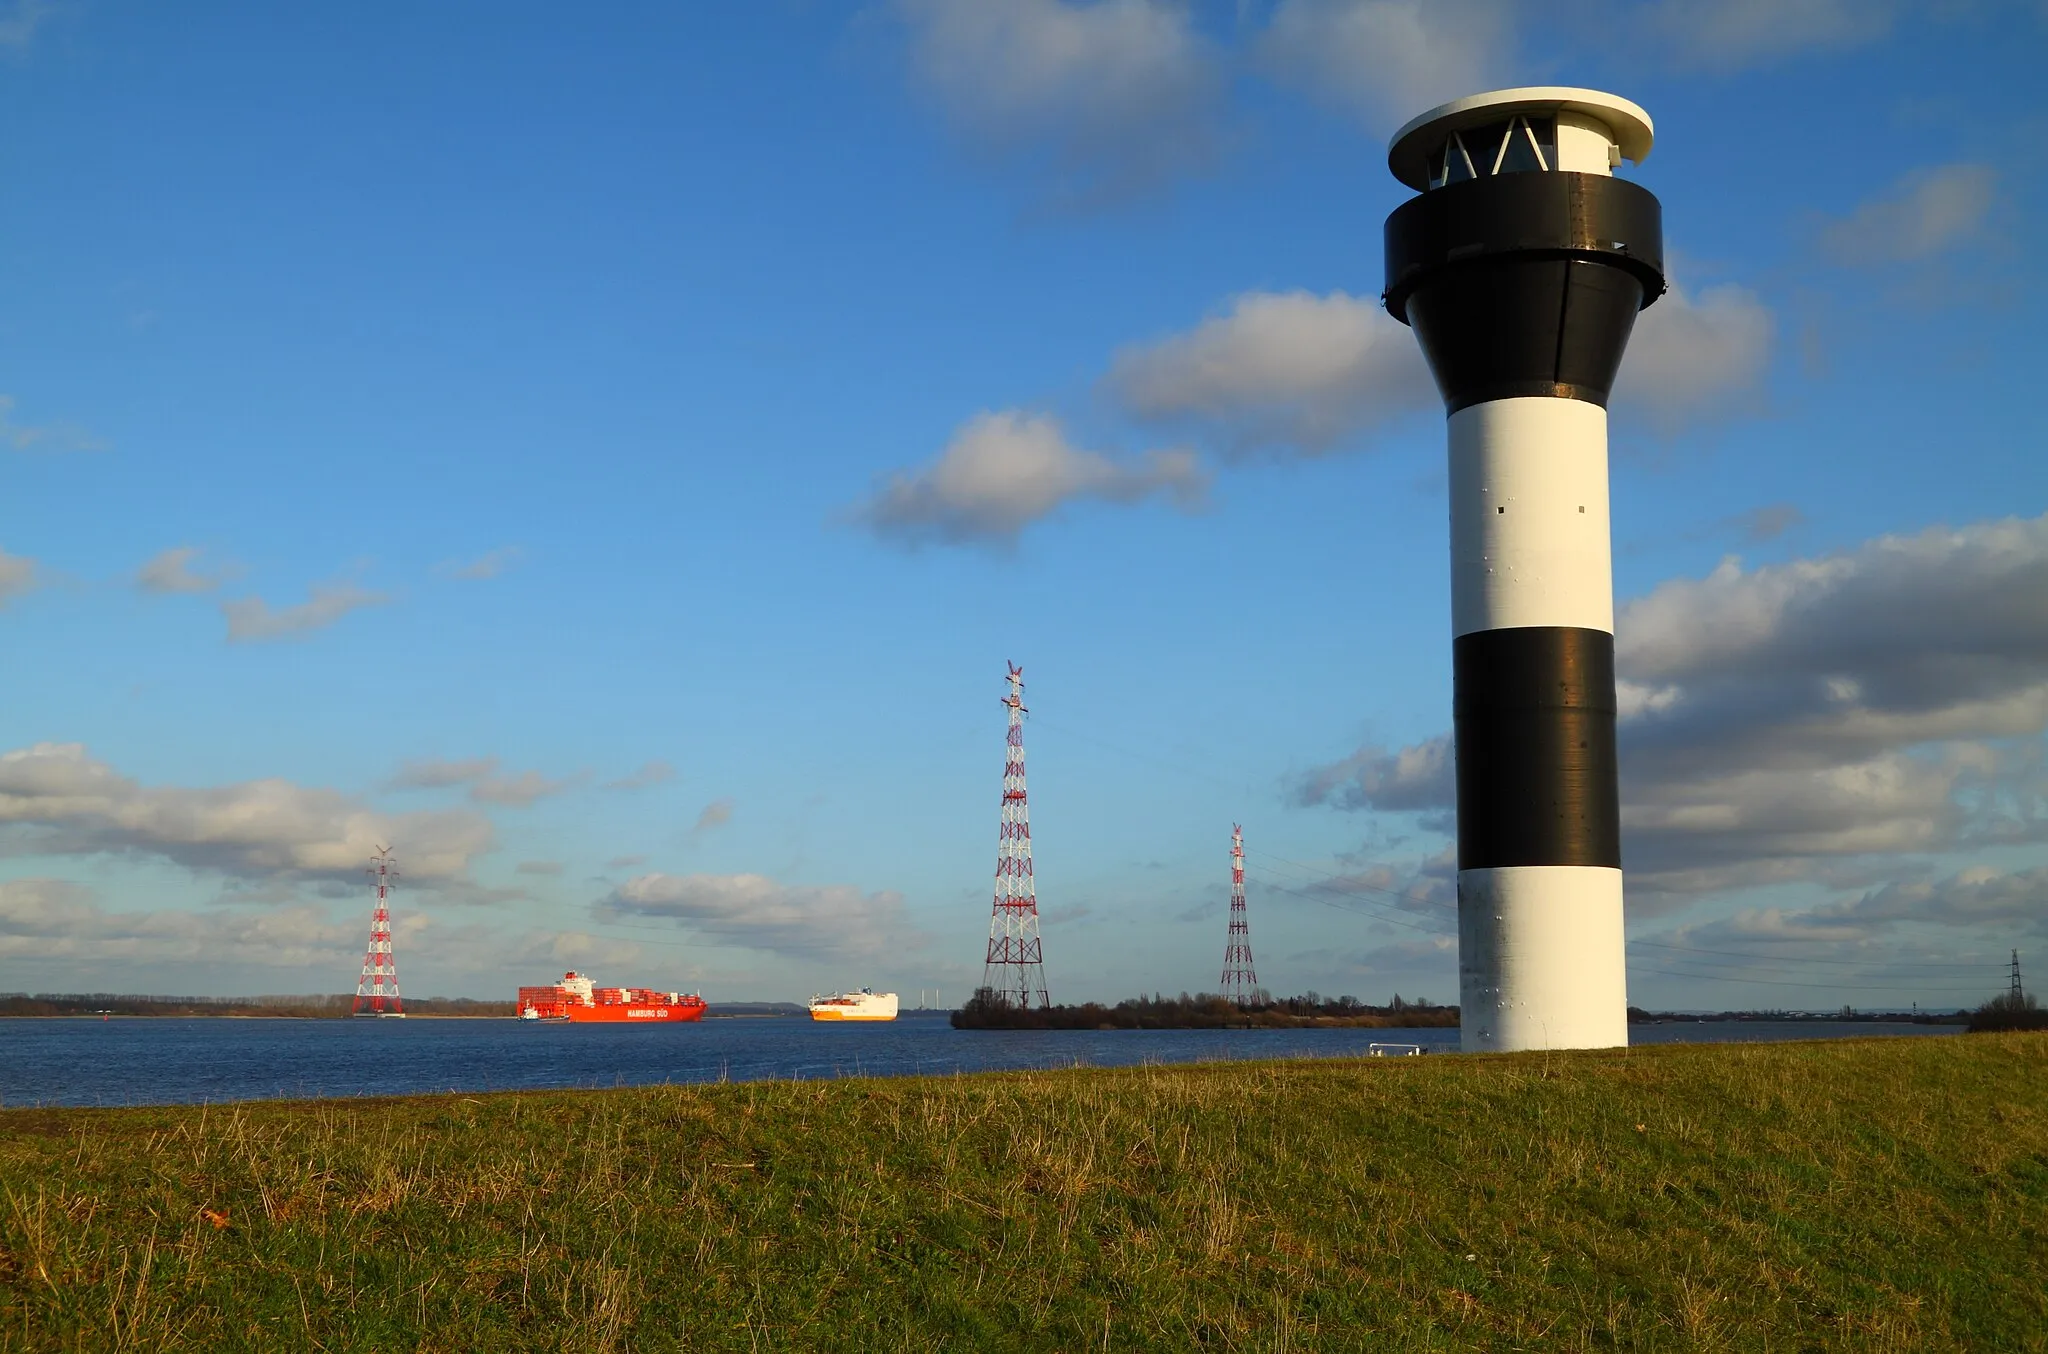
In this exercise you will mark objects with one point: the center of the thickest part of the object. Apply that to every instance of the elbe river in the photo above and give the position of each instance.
(162, 1060)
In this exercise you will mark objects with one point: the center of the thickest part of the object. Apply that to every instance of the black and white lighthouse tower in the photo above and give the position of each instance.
(1521, 267)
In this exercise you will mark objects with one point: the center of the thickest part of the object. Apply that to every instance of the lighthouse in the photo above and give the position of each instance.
(1521, 266)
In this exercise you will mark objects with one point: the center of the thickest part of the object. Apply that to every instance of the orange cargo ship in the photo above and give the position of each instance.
(575, 998)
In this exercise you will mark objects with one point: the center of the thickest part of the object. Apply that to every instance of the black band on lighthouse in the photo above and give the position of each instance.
(1501, 328)
(1534, 711)
(1525, 284)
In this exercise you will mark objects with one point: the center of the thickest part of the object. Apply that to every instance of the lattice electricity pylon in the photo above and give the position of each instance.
(1015, 971)
(2017, 992)
(1240, 979)
(379, 966)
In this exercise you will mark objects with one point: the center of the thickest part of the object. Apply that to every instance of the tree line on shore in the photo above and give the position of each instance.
(988, 1010)
(316, 1007)
(2009, 1011)
(1638, 1016)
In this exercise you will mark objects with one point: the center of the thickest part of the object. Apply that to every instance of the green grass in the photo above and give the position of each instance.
(1858, 1195)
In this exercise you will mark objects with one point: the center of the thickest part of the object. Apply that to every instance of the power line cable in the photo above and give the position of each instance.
(1357, 911)
(1057, 727)
(1344, 882)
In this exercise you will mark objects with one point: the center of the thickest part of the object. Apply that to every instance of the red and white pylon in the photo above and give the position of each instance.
(1240, 979)
(379, 966)
(1015, 971)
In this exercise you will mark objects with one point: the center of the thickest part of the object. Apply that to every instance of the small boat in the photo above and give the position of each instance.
(866, 1004)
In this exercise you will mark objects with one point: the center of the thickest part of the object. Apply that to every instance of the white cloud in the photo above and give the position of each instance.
(1756, 526)
(1387, 60)
(1280, 369)
(1943, 940)
(57, 924)
(1424, 889)
(1977, 597)
(2016, 900)
(60, 932)
(1696, 357)
(1004, 471)
(487, 785)
(171, 572)
(1304, 372)
(1690, 834)
(1115, 97)
(1728, 35)
(17, 576)
(490, 564)
(43, 907)
(46, 437)
(1413, 778)
(716, 815)
(56, 799)
(520, 791)
(436, 774)
(1881, 702)
(755, 912)
(469, 893)
(648, 774)
(1431, 961)
(18, 26)
(537, 954)
(1925, 213)
(1768, 522)
(251, 619)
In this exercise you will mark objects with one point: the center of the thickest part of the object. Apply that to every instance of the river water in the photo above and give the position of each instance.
(172, 1061)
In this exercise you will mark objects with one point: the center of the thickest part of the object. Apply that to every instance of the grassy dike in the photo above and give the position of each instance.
(1882, 1194)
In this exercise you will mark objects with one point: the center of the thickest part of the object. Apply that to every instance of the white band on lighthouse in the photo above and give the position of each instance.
(1541, 962)
(1529, 533)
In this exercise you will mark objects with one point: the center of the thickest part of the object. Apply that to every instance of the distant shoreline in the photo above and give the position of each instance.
(1206, 1011)
(324, 1006)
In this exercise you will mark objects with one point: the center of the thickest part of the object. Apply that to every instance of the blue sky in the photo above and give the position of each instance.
(611, 456)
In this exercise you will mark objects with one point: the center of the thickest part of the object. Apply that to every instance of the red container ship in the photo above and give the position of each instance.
(575, 998)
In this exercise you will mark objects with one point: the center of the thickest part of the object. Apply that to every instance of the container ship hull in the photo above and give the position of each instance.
(624, 1014)
(578, 1001)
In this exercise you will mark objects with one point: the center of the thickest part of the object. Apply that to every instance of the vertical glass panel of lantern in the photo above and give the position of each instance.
(1520, 156)
(1458, 166)
(1483, 144)
(1543, 131)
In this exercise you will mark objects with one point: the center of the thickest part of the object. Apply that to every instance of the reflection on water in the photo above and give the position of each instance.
(161, 1061)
